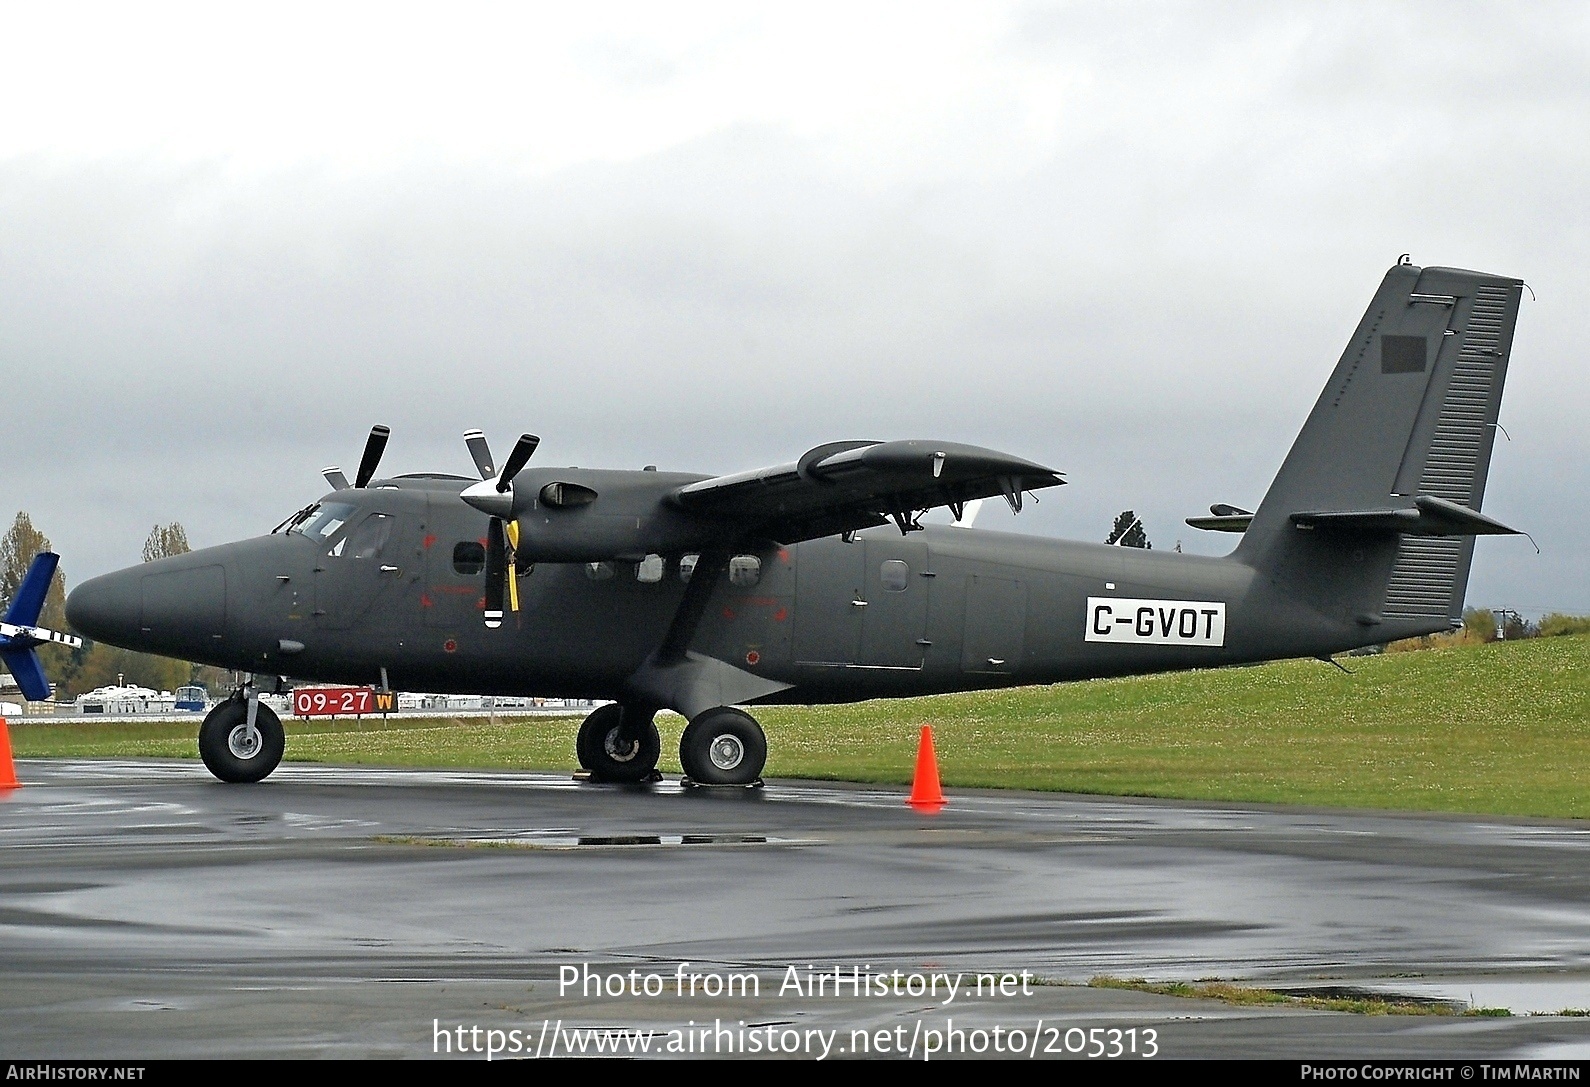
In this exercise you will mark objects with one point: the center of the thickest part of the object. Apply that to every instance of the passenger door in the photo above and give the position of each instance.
(830, 583)
(894, 621)
(355, 573)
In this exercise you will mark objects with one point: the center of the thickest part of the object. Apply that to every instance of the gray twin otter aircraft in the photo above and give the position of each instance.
(790, 584)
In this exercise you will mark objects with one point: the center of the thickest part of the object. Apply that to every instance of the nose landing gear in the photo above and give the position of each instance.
(241, 740)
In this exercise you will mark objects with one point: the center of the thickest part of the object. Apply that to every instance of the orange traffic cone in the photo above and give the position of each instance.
(8, 767)
(926, 795)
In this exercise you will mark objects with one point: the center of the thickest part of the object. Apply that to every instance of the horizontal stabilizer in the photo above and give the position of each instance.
(1428, 516)
(1226, 518)
(1238, 522)
(11, 633)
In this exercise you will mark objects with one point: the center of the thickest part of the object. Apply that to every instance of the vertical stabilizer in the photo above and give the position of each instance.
(19, 634)
(29, 601)
(1409, 412)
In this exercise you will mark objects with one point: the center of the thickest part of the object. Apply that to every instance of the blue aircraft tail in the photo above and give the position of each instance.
(29, 601)
(20, 632)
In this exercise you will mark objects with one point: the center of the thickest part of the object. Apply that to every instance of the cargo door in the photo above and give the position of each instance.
(996, 623)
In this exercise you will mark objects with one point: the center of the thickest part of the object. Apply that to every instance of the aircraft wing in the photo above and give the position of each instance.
(845, 486)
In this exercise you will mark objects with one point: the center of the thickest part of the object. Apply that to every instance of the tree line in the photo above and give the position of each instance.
(76, 671)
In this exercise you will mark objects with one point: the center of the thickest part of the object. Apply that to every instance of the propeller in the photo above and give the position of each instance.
(494, 495)
(496, 572)
(374, 446)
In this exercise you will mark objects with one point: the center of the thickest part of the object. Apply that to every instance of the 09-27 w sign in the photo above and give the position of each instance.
(332, 701)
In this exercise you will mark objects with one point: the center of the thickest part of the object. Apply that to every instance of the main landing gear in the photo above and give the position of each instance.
(723, 746)
(620, 743)
(720, 746)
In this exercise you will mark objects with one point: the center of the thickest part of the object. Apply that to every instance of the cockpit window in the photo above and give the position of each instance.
(326, 521)
(366, 541)
(296, 519)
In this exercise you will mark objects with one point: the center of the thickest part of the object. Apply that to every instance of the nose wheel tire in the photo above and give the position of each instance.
(234, 754)
(615, 749)
(723, 746)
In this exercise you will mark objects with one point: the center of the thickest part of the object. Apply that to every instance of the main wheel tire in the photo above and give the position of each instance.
(225, 746)
(723, 746)
(615, 750)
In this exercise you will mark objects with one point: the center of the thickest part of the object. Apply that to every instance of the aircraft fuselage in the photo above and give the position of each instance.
(883, 615)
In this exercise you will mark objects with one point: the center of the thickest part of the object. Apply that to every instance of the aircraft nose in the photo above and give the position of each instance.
(106, 608)
(174, 606)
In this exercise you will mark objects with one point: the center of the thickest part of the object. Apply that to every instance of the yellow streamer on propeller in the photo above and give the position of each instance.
(511, 530)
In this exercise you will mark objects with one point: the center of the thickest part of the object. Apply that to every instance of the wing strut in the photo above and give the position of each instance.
(692, 607)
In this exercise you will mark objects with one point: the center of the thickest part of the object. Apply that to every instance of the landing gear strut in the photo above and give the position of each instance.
(619, 743)
(723, 746)
(241, 740)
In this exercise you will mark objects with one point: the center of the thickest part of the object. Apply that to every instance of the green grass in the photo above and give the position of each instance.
(1502, 728)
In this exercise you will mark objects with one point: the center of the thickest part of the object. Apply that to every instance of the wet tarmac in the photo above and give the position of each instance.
(149, 911)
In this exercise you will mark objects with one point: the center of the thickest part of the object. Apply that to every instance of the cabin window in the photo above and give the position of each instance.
(745, 571)
(687, 566)
(649, 571)
(469, 557)
(367, 540)
(895, 575)
(598, 571)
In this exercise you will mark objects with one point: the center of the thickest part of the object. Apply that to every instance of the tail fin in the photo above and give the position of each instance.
(19, 634)
(1408, 415)
(29, 601)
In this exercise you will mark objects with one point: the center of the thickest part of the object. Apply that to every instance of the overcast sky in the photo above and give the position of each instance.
(1127, 241)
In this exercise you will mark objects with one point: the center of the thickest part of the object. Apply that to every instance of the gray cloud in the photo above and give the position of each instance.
(1150, 301)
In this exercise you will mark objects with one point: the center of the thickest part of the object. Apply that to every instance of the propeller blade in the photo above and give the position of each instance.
(481, 452)
(334, 476)
(516, 460)
(373, 448)
(496, 572)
